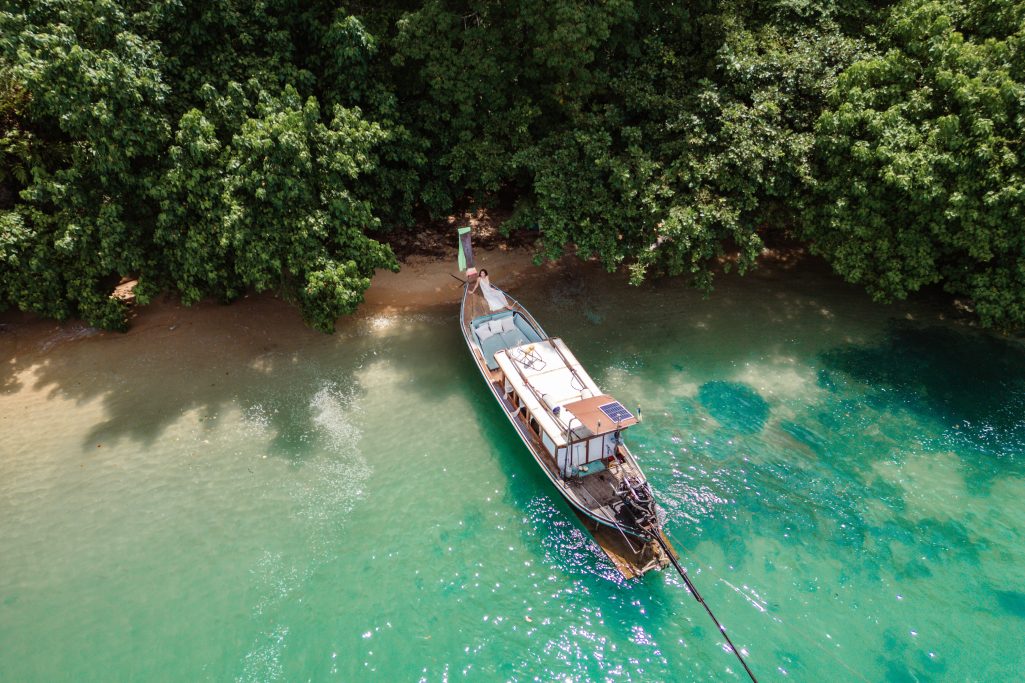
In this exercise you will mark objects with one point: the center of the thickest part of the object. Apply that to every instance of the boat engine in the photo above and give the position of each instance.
(639, 501)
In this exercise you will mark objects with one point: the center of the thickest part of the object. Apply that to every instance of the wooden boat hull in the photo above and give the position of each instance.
(632, 550)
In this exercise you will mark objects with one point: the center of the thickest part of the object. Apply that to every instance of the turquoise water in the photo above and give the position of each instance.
(257, 502)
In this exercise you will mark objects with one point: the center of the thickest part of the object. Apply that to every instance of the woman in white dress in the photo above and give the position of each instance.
(496, 300)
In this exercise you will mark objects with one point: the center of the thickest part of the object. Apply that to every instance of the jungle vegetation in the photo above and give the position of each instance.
(211, 148)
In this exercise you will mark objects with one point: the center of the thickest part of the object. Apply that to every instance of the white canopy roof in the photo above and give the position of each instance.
(557, 379)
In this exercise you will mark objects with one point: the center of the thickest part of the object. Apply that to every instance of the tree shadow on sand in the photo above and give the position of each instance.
(278, 376)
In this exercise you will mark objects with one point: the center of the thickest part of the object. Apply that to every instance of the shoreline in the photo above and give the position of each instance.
(425, 281)
(254, 320)
(422, 282)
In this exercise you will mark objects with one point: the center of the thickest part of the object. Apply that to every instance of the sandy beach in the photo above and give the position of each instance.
(255, 320)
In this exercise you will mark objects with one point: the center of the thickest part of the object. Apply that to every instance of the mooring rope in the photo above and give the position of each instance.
(697, 596)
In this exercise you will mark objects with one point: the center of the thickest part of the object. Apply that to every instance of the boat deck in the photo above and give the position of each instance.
(600, 488)
(631, 558)
(595, 491)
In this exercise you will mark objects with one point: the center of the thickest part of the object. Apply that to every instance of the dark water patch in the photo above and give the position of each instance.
(797, 501)
(929, 541)
(898, 671)
(970, 385)
(915, 569)
(930, 663)
(900, 656)
(814, 504)
(735, 406)
(872, 569)
(473, 524)
(944, 541)
(845, 414)
(825, 380)
(1011, 602)
(887, 493)
(897, 650)
(795, 504)
(896, 530)
(802, 501)
(734, 550)
(684, 407)
(878, 553)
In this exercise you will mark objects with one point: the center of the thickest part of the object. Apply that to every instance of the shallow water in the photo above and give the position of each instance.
(846, 483)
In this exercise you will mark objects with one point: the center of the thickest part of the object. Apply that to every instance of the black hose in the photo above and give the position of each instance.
(657, 535)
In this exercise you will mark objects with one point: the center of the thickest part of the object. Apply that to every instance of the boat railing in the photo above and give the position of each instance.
(533, 390)
(516, 306)
(583, 384)
(462, 306)
(569, 433)
(524, 312)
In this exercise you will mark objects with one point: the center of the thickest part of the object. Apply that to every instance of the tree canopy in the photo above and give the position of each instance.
(921, 177)
(213, 148)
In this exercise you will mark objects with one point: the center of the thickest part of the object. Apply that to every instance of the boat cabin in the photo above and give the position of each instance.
(579, 425)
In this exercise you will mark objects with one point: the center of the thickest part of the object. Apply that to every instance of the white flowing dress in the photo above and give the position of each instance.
(496, 300)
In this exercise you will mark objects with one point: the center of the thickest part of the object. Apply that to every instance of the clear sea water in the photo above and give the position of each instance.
(253, 502)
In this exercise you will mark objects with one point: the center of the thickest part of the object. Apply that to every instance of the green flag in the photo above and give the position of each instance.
(464, 248)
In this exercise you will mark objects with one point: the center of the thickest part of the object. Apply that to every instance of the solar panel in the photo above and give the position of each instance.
(616, 412)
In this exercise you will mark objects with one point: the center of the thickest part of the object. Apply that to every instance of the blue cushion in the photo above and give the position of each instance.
(514, 338)
(489, 347)
(490, 344)
(528, 332)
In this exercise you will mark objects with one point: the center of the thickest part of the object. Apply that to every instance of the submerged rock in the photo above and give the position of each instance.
(735, 406)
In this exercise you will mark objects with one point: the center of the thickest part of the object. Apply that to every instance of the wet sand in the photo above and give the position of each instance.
(249, 325)
(193, 336)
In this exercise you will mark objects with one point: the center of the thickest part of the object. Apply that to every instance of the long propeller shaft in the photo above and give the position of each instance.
(697, 596)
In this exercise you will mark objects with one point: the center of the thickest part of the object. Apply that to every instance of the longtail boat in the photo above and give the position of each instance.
(573, 430)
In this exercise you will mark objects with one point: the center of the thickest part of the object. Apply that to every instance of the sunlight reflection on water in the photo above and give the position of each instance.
(848, 508)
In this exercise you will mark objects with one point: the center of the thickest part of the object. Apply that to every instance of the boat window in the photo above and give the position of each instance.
(547, 441)
(523, 412)
(534, 426)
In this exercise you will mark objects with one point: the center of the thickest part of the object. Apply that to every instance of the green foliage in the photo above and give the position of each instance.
(211, 149)
(15, 141)
(94, 96)
(257, 196)
(701, 137)
(255, 191)
(485, 80)
(920, 176)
